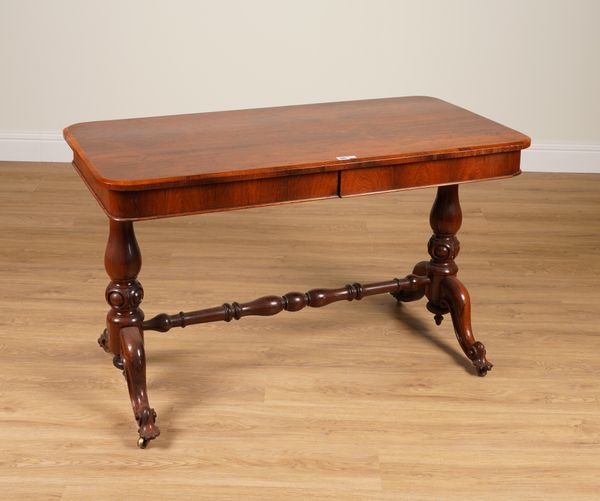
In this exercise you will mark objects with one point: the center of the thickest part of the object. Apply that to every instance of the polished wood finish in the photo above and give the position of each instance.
(151, 153)
(292, 301)
(164, 166)
(356, 401)
(445, 292)
(429, 173)
(183, 200)
(124, 337)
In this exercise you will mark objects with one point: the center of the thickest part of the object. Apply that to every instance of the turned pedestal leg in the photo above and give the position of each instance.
(446, 294)
(124, 337)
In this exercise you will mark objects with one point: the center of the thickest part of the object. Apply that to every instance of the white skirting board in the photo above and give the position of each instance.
(540, 157)
(34, 147)
(561, 158)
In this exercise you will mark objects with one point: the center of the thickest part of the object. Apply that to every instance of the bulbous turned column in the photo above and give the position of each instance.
(445, 220)
(124, 294)
(124, 336)
(445, 293)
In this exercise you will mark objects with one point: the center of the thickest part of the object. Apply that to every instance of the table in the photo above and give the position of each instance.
(146, 168)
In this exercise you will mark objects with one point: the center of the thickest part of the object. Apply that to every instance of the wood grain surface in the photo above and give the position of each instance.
(352, 402)
(159, 152)
(148, 168)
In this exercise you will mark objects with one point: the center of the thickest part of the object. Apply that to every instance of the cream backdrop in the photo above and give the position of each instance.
(532, 65)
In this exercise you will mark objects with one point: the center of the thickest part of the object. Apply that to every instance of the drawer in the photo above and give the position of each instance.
(165, 202)
(430, 173)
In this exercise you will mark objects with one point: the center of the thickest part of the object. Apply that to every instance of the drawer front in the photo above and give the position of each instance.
(149, 204)
(413, 175)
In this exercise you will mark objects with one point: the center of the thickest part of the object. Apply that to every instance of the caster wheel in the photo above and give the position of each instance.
(482, 371)
(118, 362)
(142, 443)
(438, 319)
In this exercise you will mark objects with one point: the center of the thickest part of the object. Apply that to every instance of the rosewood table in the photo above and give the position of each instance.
(147, 168)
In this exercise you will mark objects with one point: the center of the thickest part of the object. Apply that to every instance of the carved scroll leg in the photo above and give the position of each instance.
(455, 295)
(134, 368)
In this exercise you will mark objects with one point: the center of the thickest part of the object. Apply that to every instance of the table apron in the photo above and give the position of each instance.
(215, 197)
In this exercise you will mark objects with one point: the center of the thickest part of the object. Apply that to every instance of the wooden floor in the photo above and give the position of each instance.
(363, 400)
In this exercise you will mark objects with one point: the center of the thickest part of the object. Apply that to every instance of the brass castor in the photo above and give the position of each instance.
(142, 443)
(482, 371)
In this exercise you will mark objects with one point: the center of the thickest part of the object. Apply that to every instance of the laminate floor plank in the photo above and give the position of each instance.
(366, 400)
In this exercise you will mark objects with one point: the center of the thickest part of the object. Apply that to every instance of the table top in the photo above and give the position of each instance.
(204, 148)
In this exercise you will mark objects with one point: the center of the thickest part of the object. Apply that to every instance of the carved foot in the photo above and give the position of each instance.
(103, 341)
(477, 356)
(147, 427)
(456, 296)
(134, 368)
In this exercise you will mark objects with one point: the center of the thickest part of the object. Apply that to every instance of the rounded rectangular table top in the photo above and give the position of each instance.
(203, 148)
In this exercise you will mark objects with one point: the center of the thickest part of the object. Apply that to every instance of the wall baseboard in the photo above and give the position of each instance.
(51, 147)
(574, 158)
(34, 147)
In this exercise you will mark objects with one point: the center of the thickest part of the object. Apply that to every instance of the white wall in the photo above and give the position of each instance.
(532, 65)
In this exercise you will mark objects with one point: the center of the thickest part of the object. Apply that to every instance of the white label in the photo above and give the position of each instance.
(346, 157)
